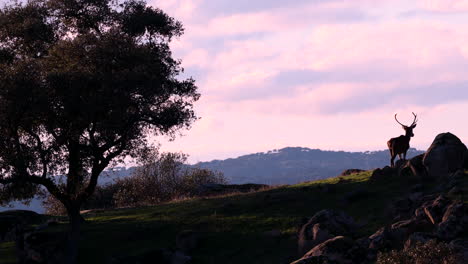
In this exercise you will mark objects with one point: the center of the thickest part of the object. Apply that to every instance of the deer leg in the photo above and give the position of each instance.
(404, 155)
(392, 160)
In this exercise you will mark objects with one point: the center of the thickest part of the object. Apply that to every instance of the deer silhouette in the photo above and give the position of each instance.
(400, 145)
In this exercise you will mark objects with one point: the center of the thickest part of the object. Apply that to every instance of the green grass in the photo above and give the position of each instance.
(233, 227)
(7, 253)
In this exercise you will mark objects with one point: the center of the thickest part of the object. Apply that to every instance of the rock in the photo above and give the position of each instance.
(395, 236)
(446, 155)
(417, 167)
(384, 173)
(418, 237)
(334, 249)
(455, 191)
(413, 225)
(187, 240)
(434, 210)
(350, 172)
(314, 260)
(400, 164)
(323, 225)
(454, 221)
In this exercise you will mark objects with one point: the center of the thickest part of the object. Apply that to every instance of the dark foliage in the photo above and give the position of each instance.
(162, 177)
(82, 84)
(431, 252)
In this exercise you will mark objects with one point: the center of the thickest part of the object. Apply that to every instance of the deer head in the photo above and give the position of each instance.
(408, 129)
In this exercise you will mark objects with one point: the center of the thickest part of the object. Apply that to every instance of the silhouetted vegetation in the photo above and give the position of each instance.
(162, 177)
(431, 252)
(82, 85)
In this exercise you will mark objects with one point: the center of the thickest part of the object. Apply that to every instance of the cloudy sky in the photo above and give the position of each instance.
(326, 74)
(323, 74)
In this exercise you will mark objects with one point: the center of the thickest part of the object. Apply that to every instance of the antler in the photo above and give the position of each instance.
(398, 121)
(415, 119)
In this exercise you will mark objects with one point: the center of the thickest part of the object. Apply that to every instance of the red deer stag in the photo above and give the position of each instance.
(400, 145)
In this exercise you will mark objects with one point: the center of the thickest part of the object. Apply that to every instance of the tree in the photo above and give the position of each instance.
(83, 83)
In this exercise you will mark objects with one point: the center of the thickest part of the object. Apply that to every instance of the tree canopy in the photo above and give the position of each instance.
(84, 83)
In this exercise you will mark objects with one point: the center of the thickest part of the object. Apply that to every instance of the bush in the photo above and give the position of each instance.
(431, 252)
(162, 177)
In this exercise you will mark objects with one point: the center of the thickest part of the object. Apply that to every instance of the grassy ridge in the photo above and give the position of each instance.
(235, 227)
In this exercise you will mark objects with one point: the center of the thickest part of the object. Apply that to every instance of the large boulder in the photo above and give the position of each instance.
(383, 173)
(454, 221)
(335, 250)
(445, 155)
(324, 225)
(417, 168)
(435, 209)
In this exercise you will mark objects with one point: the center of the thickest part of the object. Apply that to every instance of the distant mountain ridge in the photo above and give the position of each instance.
(291, 165)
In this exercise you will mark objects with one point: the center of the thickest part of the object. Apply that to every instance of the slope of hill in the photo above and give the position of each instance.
(295, 164)
(289, 165)
(259, 227)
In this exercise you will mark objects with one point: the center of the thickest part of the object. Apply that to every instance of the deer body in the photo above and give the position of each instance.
(400, 145)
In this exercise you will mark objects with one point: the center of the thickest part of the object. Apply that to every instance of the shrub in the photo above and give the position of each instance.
(162, 177)
(431, 252)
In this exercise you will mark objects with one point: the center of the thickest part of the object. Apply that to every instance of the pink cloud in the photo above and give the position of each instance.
(361, 73)
(445, 5)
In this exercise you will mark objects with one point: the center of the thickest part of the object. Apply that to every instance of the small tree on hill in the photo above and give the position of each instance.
(82, 84)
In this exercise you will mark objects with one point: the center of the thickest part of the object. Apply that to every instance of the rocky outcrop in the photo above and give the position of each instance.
(417, 167)
(445, 155)
(435, 209)
(351, 171)
(454, 221)
(383, 173)
(325, 225)
(334, 250)
(437, 218)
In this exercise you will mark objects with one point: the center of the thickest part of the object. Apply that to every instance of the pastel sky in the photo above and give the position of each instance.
(326, 74)
(323, 74)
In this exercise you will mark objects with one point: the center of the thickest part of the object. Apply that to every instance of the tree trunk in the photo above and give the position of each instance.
(74, 235)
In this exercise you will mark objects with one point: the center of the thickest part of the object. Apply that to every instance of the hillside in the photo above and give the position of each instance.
(289, 165)
(292, 165)
(259, 227)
